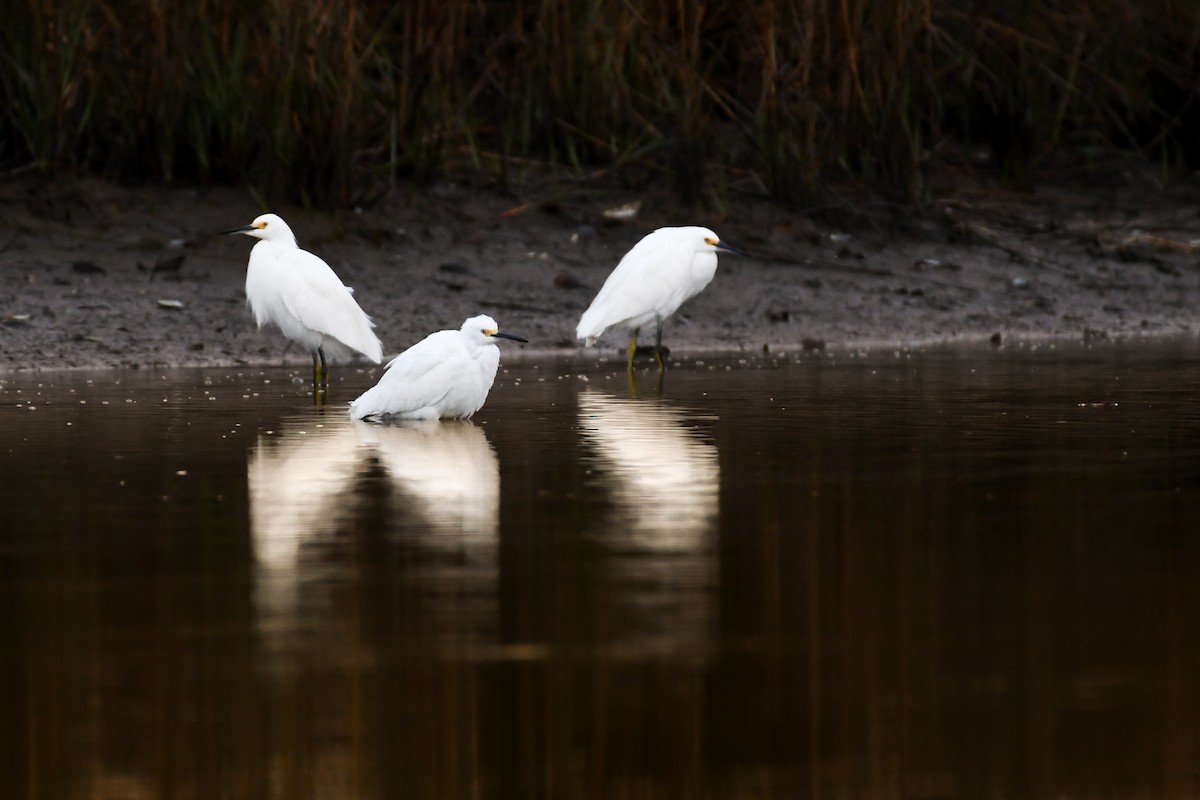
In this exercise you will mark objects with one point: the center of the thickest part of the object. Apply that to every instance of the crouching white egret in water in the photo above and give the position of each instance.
(299, 293)
(663, 270)
(447, 374)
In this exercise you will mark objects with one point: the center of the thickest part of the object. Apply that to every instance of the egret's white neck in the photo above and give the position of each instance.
(277, 245)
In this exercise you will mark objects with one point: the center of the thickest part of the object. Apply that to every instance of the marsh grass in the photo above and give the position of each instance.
(330, 100)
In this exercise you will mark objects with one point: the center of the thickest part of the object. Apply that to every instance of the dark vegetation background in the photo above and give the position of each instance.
(329, 102)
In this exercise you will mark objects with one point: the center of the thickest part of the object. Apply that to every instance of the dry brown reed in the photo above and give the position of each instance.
(328, 101)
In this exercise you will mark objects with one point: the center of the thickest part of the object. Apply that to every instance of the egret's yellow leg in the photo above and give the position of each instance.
(658, 351)
(629, 364)
(320, 377)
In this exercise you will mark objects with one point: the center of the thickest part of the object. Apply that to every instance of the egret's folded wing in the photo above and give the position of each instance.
(417, 378)
(317, 296)
(640, 283)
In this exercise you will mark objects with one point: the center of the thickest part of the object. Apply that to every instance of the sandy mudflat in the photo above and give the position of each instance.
(87, 266)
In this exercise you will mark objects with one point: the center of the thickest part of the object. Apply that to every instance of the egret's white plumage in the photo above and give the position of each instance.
(299, 293)
(447, 374)
(664, 269)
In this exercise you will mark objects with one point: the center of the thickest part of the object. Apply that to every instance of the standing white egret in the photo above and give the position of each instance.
(301, 295)
(663, 270)
(445, 375)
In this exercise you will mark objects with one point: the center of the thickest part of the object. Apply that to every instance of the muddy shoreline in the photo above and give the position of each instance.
(97, 275)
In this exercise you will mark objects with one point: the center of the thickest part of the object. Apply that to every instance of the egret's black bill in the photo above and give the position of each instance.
(513, 336)
(728, 248)
(242, 229)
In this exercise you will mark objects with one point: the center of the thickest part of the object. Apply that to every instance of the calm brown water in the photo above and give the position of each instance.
(955, 574)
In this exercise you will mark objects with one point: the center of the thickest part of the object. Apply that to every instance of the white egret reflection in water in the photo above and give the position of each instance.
(426, 492)
(448, 474)
(441, 508)
(961, 574)
(299, 478)
(663, 474)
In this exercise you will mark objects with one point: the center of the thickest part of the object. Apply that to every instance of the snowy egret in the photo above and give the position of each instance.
(301, 295)
(663, 270)
(446, 374)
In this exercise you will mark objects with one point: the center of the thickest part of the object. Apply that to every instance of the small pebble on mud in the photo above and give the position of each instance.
(565, 280)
